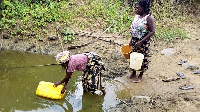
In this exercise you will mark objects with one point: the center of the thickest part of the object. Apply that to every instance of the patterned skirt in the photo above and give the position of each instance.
(144, 49)
(92, 78)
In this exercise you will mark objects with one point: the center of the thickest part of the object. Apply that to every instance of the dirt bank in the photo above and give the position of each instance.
(152, 94)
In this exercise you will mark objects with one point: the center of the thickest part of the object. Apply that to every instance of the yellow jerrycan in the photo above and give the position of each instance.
(46, 89)
(136, 60)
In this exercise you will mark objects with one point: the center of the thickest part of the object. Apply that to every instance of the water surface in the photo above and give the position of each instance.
(19, 80)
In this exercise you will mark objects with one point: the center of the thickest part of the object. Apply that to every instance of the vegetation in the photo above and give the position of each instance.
(20, 17)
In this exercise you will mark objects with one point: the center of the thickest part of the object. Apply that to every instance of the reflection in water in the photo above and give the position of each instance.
(18, 86)
(87, 102)
(53, 108)
(75, 99)
(112, 88)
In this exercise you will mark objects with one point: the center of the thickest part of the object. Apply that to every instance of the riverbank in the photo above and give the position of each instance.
(152, 94)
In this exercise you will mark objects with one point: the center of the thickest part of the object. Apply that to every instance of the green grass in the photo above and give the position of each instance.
(26, 17)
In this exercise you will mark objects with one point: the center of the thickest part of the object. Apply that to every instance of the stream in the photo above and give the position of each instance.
(20, 76)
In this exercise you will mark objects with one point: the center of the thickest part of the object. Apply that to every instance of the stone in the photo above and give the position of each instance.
(116, 55)
(6, 36)
(145, 99)
(51, 38)
(190, 66)
(168, 51)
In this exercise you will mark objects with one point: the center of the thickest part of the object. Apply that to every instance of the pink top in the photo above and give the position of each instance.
(77, 62)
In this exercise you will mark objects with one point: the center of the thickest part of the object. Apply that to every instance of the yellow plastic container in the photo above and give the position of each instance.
(126, 50)
(136, 60)
(46, 89)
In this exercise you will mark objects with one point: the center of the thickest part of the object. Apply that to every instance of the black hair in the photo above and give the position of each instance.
(145, 5)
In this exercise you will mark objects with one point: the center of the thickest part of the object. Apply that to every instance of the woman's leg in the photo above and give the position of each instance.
(144, 49)
(139, 78)
(134, 41)
(104, 91)
(133, 75)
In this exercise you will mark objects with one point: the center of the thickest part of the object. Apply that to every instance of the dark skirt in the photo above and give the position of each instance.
(92, 78)
(144, 49)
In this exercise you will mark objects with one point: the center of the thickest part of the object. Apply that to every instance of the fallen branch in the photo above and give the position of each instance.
(31, 66)
(98, 37)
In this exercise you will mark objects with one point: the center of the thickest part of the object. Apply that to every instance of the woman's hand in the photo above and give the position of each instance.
(138, 44)
(130, 43)
(56, 84)
(63, 90)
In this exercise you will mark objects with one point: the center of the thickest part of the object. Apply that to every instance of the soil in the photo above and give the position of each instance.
(152, 93)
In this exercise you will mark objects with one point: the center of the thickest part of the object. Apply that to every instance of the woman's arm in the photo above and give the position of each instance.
(130, 43)
(151, 28)
(65, 80)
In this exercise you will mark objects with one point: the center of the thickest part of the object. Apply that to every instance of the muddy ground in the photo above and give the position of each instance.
(151, 94)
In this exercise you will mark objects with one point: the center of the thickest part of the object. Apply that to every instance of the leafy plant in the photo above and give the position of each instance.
(37, 15)
(68, 35)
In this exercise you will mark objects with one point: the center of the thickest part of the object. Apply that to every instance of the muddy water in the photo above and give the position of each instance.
(18, 82)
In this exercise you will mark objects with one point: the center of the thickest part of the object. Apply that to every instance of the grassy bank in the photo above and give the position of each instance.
(42, 16)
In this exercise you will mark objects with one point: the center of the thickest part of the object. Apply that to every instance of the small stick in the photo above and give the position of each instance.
(106, 30)
(2, 42)
(57, 29)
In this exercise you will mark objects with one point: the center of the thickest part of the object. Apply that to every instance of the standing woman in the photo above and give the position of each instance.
(92, 66)
(142, 28)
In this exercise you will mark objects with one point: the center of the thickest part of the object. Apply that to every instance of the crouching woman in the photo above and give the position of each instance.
(92, 66)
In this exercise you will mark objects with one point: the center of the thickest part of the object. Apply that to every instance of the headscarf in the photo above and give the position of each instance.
(62, 57)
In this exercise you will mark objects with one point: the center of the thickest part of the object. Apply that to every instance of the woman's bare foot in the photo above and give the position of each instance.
(104, 92)
(139, 79)
(132, 76)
